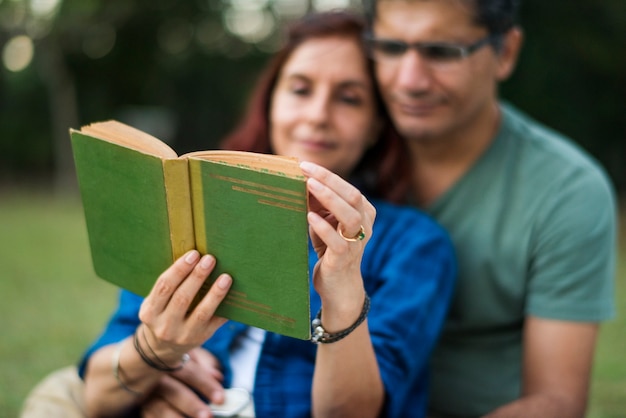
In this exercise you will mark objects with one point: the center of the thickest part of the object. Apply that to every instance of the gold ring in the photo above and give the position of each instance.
(359, 236)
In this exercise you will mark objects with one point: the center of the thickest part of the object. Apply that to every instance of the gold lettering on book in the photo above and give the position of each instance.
(280, 205)
(269, 195)
(240, 300)
(234, 294)
(272, 316)
(258, 185)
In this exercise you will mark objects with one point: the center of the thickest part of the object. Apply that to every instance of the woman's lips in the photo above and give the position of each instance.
(316, 145)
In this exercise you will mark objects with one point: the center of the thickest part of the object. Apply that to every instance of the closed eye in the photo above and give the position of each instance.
(351, 100)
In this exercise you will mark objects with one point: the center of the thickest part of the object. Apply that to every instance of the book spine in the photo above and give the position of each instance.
(197, 202)
(180, 215)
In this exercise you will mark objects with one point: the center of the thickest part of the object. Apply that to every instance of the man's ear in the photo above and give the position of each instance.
(509, 52)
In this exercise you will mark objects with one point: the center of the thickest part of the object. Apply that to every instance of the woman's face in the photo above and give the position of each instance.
(323, 108)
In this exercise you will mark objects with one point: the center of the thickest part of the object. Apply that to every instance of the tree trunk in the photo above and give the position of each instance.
(63, 110)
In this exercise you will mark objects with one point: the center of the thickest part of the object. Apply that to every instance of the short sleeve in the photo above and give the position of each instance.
(574, 248)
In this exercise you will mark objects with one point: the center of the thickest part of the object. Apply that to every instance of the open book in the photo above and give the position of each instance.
(145, 206)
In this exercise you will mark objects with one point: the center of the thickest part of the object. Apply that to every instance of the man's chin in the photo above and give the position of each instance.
(414, 128)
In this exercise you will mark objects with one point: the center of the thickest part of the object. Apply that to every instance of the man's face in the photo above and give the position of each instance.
(430, 95)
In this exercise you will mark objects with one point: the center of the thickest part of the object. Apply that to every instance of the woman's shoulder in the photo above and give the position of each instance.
(409, 239)
(410, 216)
(407, 223)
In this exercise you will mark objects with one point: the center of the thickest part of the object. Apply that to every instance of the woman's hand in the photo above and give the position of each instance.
(173, 395)
(337, 208)
(169, 329)
(337, 213)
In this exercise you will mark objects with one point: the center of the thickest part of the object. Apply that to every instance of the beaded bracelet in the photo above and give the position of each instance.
(158, 364)
(321, 336)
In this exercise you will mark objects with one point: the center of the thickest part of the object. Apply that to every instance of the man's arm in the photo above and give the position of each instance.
(558, 357)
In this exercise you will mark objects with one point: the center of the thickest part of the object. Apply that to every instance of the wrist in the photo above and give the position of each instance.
(340, 311)
(322, 335)
(151, 358)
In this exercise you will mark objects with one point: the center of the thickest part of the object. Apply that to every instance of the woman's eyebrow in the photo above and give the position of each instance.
(347, 83)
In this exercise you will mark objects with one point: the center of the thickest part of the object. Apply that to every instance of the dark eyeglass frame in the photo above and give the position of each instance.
(434, 51)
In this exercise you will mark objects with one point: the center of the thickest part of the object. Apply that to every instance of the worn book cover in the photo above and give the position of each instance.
(145, 206)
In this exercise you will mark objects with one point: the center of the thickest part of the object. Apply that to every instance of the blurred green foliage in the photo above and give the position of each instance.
(572, 74)
(177, 67)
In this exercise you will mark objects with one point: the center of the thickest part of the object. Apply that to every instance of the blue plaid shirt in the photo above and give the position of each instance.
(408, 269)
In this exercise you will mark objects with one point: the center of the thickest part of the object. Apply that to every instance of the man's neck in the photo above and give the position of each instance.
(438, 163)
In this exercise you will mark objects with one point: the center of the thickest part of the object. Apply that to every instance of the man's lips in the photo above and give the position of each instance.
(416, 108)
(416, 105)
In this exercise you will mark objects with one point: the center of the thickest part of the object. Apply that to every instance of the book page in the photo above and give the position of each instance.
(265, 163)
(127, 136)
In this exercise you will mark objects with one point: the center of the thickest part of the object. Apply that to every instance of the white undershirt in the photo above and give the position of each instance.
(244, 357)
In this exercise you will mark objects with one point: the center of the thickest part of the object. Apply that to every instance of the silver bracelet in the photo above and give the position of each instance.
(321, 336)
(115, 362)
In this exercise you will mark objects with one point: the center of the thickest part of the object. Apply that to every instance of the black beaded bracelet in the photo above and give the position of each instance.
(321, 336)
(158, 364)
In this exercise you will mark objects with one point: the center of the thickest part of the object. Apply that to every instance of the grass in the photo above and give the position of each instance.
(52, 305)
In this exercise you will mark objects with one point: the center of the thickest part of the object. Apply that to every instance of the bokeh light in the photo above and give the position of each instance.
(99, 40)
(322, 5)
(249, 24)
(18, 53)
(44, 8)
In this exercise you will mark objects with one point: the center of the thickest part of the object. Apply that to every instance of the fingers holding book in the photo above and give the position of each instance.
(341, 204)
(340, 220)
(171, 326)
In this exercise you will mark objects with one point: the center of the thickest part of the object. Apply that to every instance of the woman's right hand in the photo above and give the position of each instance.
(173, 396)
(169, 328)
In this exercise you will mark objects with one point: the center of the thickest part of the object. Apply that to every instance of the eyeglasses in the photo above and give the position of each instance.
(438, 54)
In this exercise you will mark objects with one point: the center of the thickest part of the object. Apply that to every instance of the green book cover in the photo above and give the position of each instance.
(125, 207)
(144, 207)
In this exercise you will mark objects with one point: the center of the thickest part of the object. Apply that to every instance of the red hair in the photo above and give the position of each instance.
(383, 171)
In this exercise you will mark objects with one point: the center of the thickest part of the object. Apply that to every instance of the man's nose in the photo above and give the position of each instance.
(414, 72)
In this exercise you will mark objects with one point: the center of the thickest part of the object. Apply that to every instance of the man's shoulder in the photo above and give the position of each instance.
(552, 176)
(545, 151)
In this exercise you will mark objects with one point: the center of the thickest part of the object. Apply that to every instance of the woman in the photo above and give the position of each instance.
(317, 102)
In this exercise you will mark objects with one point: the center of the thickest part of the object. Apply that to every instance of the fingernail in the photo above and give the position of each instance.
(313, 217)
(203, 414)
(191, 257)
(218, 397)
(307, 167)
(207, 261)
(314, 184)
(223, 282)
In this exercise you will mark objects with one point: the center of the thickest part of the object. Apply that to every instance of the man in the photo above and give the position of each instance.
(532, 217)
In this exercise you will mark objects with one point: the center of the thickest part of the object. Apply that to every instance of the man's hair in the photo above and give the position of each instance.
(498, 16)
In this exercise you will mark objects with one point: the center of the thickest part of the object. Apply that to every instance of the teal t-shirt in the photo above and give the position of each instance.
(534, 226)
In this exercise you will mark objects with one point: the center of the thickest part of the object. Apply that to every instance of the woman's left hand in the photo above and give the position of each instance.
(340, 221)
